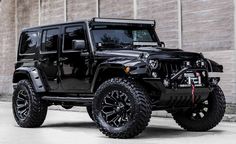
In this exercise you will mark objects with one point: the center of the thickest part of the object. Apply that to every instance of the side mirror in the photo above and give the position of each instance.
(162, 44)
(78, 44)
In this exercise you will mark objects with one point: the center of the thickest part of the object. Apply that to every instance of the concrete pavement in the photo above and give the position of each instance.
(62, 127)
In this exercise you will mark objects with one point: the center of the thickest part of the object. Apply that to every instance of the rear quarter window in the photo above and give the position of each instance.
(29, 42)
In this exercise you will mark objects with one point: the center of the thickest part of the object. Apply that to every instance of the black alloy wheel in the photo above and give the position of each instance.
(22, 104)
(200, 111)
(120, 108)
(116, 108)
(28, 108)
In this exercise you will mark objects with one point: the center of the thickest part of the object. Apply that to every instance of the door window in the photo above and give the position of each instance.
(50, 40)
(72, 33)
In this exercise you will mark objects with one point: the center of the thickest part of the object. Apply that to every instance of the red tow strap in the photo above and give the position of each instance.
(193, 93)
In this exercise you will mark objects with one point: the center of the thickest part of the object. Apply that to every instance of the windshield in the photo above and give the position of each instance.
(121, 37)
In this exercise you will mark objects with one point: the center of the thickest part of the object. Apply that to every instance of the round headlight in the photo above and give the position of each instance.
(153, 64)
(200, 63)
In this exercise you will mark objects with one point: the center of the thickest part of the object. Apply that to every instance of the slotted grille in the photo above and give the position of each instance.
(168, 69)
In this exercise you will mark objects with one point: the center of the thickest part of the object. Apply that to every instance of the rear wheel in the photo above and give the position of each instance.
(205, 115)
(28, 109)
(121, 109)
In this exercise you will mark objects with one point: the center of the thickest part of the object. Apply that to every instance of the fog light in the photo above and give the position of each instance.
(202, 63)
(187, 63)
(204, 74)
(154, 74)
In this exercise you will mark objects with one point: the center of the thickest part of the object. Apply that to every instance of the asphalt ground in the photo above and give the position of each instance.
(73, 127)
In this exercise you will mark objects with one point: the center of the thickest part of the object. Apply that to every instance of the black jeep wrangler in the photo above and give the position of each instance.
(119, 70)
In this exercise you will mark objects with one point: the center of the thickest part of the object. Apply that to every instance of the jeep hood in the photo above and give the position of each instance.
(152, 53)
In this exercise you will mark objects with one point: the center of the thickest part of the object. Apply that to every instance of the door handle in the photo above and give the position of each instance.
(43, 60)
(84, 54)
(62, 59)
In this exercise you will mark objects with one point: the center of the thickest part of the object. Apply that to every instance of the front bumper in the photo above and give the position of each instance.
(170, 97)
(173, 94)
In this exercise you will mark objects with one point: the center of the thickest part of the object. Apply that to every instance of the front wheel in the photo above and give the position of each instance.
(90, 112)
(204, 116)
(28, 109)
(120, 108)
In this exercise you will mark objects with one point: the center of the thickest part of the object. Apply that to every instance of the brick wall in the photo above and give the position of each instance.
(80, 9)
(116, 8)
(51, 11)
(165, 12)
(207, 26)
(7, 44)
(27, 14)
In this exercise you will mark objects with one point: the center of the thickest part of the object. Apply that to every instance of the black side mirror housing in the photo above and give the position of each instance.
(162, 44)
(78, 44)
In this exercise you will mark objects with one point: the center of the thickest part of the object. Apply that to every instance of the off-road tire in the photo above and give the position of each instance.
(67, 107)
(90, 112)
(215, 113)
(37, 110)
(140, 108)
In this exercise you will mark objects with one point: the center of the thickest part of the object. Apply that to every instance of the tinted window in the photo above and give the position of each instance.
(50, 40)
(73, 33)
(28, 42)
(121, 36)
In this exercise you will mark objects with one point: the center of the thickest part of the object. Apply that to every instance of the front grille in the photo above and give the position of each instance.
(168, 69)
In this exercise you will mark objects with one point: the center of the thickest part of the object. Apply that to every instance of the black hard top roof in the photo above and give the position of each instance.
(99, 20)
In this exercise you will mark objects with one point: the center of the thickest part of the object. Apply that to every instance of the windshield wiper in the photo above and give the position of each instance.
(108, 45)
(151, 44)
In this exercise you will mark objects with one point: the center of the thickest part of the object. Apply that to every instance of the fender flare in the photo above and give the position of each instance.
(214, 66)
(33, 75)
(137, 67)
(101, 68)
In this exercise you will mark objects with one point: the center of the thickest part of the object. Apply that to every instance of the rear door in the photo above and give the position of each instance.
(48, 57)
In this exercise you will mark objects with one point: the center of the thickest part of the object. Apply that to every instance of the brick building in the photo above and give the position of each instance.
(206, 26)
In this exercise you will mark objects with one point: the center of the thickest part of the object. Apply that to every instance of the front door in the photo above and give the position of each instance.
(74, 65)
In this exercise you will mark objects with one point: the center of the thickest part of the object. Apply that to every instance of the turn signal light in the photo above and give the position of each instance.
(127, 69)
